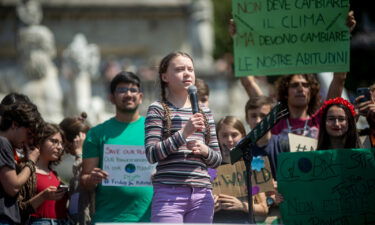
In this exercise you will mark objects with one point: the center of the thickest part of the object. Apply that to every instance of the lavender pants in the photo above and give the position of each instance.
(182, 204)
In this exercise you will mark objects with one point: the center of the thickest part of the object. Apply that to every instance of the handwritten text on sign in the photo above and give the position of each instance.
(126, 165)
(299, 143)
(231, 179)
(327, 187)
(290, 36)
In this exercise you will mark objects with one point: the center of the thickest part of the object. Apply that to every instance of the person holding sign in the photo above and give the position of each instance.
(183, 144)
(230, 209)
(300, 92)
(116, 139)
(337, 128)
(44, 197)
(269, 145)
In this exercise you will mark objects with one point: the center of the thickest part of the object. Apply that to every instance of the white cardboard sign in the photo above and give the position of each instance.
(126, 165)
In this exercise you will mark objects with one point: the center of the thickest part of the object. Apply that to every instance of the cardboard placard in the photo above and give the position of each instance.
(231, 179)
(299, 143)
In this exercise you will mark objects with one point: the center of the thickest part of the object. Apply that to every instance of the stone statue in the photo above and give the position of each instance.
(80, 64)
(30, 12)
(37, 50)
(36, 37)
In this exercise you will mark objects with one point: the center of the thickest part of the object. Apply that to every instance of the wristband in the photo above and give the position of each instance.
(31, 165)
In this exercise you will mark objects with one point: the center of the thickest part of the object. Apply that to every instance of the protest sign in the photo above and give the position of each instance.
(231, 179)
(299, 143)
(327, 187)
(290, 36)
(126, 165)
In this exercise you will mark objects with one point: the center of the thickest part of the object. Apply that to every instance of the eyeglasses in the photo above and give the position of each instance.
(297, 84)
(121, 90)
(56, 142)
(332, 120)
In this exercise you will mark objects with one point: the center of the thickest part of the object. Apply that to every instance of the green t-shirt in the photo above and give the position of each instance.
(114, 203)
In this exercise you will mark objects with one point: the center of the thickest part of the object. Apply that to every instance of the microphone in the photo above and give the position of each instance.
(192, 90)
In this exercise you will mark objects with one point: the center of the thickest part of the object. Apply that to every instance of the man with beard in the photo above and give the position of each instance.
(126, 128)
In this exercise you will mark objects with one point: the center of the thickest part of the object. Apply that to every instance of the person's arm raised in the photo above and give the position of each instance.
(13, 182)
(337, 85)
(350, 21)
(251, 86)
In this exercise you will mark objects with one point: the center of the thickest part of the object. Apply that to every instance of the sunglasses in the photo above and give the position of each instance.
(297, 84)
(121, 90)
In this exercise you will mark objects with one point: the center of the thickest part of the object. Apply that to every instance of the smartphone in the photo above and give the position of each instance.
(63, 187)
(365, 92)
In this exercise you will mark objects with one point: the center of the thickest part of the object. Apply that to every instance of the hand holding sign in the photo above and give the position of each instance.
(228, 202)
(97, 175)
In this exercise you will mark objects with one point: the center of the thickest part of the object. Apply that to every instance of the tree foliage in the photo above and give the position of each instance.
(222, 15)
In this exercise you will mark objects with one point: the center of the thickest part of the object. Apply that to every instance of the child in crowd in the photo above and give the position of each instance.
(81, 202)
(229, 209)
(256, 109)
(269, 145)
(203, 91)
(184, 146)
(42, 200)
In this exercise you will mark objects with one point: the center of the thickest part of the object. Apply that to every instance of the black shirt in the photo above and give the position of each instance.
(8, 205)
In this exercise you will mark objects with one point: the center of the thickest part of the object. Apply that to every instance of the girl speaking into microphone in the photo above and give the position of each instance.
(183, 145)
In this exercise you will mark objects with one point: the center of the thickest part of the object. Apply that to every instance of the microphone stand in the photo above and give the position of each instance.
(244, 147)
(248, 159)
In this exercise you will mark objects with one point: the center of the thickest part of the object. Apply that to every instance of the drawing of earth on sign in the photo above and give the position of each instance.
(130, 168)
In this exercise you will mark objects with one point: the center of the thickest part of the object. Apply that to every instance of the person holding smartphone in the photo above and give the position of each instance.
(43, 198)
(365, 104)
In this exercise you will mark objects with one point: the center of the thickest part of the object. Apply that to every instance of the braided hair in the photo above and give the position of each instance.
(163, 67)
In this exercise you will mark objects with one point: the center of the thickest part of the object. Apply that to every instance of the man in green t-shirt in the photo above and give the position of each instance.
(118, 200)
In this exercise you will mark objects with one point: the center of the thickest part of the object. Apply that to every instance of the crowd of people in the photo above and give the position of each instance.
(184, 145)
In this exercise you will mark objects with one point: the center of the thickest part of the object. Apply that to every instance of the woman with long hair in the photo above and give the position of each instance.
(43, 198)
(338, 125)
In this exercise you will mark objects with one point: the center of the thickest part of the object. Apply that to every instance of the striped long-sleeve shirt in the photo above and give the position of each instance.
(176, 164)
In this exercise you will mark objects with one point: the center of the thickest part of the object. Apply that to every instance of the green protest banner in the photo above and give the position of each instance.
(276, 37)
(327, 187)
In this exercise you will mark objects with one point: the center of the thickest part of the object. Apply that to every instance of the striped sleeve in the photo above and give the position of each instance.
(214, 156)
(158, 149)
